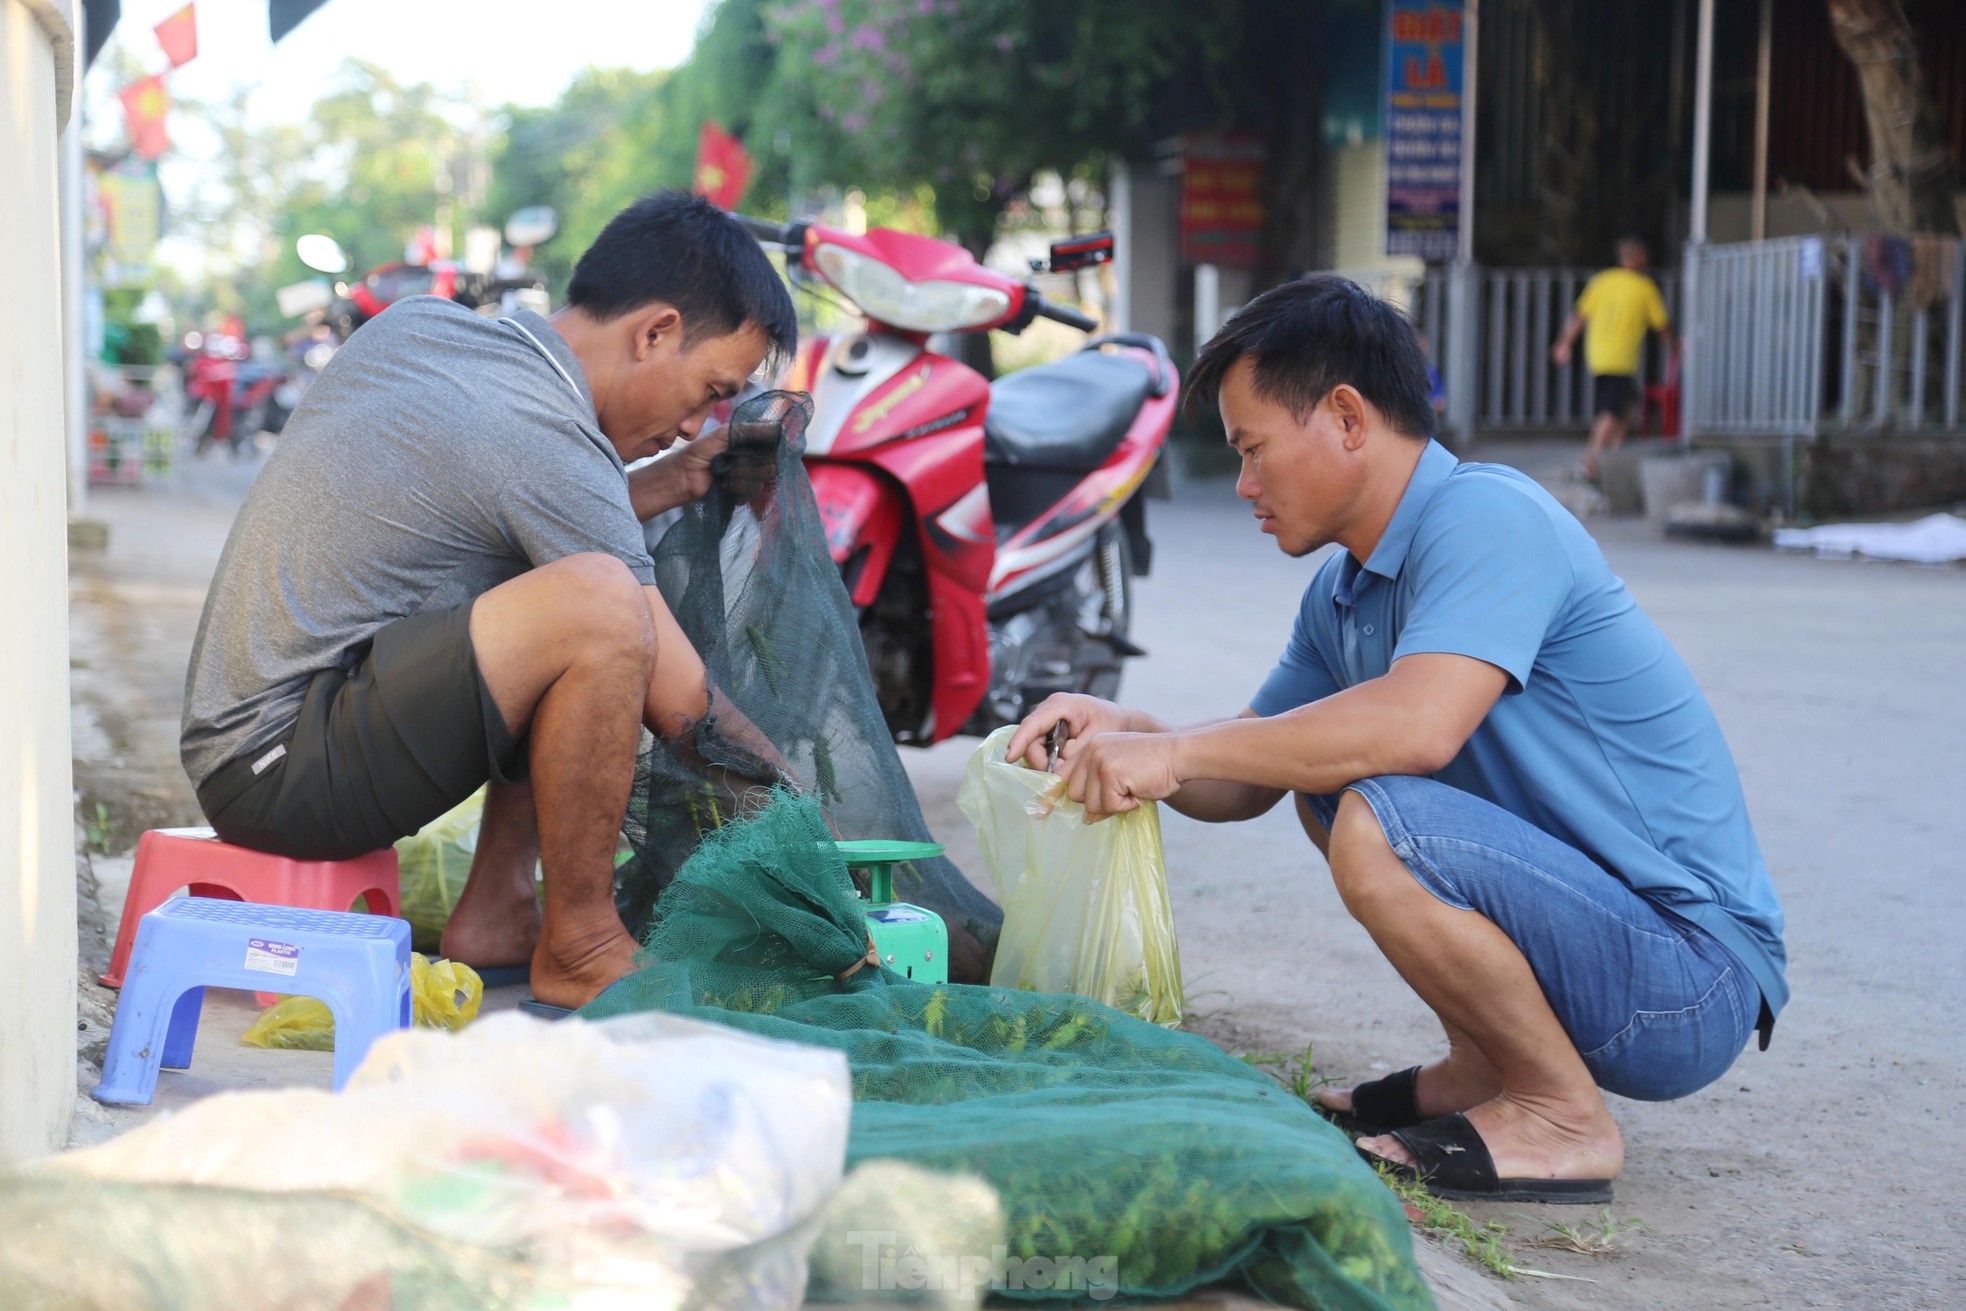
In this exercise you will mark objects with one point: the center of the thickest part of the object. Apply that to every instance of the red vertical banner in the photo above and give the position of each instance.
(178, 35)
(723, 169)
(145, 106)
(1221, 200)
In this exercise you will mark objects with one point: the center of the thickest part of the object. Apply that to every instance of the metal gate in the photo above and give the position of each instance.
(1755, 356)
(1806, 335)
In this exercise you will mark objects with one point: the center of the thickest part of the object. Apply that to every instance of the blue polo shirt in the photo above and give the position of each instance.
(1601, 739)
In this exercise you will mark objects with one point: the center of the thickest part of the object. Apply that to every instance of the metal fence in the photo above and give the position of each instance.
(1755, 337)
(1790, 337)
(1522, 312)
(1518, 316)
(1808, 335)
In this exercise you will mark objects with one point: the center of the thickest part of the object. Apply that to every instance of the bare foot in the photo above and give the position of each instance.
(488, 931)
(578, 972)
(1541, 1143)
(1444, 1087)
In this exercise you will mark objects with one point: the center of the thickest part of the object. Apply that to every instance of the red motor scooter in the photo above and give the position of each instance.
(988, 533)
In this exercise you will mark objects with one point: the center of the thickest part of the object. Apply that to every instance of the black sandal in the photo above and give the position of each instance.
(1455, 1164)
(1380, 1105)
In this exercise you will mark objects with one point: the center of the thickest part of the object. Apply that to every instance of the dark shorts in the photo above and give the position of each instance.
(1656, 1006)
(1612, 394)
(380, 749)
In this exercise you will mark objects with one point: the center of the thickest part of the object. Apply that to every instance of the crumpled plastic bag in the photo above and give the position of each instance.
(1085, 907)
(433, 864)
(443, 995)
(645, 1161)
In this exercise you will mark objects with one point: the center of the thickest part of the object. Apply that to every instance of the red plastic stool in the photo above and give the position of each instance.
(173, 858)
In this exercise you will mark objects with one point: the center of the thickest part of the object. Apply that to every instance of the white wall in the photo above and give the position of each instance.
(37, 823)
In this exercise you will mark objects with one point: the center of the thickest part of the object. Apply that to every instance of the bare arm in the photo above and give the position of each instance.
(682, 706)
(1412, 720)
(1221, 800)
(1567, 340)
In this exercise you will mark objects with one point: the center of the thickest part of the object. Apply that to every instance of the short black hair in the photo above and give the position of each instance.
(1306, 337)
(683, 251)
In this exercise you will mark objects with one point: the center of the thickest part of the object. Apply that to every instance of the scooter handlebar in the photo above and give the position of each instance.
(1069, 317)
(772, 233)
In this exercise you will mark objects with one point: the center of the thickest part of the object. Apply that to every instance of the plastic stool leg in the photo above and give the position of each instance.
(355, 1031)
(137, 1038)
(182, 1035)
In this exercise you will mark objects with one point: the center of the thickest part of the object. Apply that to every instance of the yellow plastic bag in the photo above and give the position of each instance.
(434, 863)
(1085, 906)
(444, 995)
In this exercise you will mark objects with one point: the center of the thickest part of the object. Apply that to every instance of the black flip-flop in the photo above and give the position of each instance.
(1455, 1164)
(545, 1010)
(1379, 1106)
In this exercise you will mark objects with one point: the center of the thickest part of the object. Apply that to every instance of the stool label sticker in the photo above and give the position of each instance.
(898, 915)
(272, 957)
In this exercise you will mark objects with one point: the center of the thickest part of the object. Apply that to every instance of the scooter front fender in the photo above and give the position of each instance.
(864, 513)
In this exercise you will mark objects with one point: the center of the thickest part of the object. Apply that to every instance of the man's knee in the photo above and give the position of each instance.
(1363, 865)
(602, 602)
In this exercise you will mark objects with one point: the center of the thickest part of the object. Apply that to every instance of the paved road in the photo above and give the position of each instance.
(1823, 1172)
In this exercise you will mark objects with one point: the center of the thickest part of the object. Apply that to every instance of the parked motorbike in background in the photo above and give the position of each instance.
(988, 533)
(232, 392)
(504, 287)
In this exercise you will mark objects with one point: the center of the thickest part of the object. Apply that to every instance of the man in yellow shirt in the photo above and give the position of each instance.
(1619, 305)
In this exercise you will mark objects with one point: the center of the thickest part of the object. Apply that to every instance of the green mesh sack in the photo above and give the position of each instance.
(1130, 1160)
(747, 574)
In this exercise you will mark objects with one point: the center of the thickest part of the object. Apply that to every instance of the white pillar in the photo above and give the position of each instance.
(1470, 66)
(37, 811)
(1763, 64)
(1702, 120)
(1208, 303)
(1119, 213)
(1692, 330)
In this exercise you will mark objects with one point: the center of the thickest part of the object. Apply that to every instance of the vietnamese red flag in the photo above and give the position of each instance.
(145, 105)
(178, 34)
(723, 170)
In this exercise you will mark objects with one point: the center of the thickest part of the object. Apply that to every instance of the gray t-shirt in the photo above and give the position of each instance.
(438, 455)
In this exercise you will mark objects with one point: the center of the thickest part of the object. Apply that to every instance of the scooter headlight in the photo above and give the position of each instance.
(936, 305)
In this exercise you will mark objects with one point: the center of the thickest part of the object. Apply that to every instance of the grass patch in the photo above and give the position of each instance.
(1484, 1244)
(98, 831)
(1297, 1073)
(1600, 1238)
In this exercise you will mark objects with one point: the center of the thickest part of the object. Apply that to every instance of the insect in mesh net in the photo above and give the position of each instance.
(747, 573)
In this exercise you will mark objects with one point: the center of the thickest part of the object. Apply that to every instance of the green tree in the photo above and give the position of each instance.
(975, 97)
(587, 155)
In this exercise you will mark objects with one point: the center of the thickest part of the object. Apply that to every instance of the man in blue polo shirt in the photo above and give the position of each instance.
(1520, 790)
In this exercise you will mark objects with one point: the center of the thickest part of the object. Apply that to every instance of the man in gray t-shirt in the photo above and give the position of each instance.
(440, 579)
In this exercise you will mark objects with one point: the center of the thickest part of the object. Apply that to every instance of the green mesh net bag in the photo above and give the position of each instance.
(748, 575)
(1131, 1161)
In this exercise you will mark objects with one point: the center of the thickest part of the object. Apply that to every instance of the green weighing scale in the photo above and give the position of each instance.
(910, 940)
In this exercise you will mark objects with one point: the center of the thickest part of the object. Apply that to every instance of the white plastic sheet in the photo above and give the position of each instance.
(1935, 539)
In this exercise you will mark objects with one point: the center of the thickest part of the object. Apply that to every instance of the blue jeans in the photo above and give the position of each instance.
(1655, 1005)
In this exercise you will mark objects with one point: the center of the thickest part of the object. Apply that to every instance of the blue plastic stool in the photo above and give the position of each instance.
(358, 964)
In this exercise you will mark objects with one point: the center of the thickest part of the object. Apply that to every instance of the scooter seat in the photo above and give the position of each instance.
(1068, 415)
